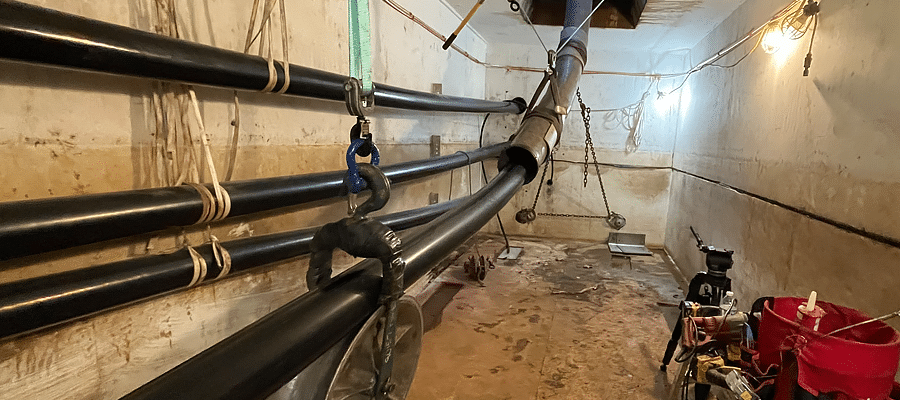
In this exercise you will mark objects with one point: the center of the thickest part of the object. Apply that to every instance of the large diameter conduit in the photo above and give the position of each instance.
(541, 127)
(36, 226)
(262, 357)
(39, 35)
(43, 301)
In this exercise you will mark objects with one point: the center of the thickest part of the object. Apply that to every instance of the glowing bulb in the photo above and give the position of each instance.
(773, 40)
(665, 101)
(791, 33)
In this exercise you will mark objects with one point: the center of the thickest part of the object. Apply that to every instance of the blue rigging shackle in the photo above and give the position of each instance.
(354, 182)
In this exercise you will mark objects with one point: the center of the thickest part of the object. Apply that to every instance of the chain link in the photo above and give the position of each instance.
(589, 146)
(540, 185)
(572, 215)
(588, 151)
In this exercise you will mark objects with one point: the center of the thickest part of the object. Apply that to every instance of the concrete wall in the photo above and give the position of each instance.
(826, 144)
(640, 194)
(68, 132)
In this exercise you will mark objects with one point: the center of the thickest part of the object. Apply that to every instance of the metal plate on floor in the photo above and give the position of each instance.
(628, 244)
(510, 253)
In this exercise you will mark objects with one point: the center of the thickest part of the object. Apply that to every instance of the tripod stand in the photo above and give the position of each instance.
(707, 288)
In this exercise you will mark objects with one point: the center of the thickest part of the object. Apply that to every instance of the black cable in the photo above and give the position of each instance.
(621, 166)
(484, 175)
(450, 192)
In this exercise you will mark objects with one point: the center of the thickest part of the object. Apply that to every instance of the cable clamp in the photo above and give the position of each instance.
(358, 103)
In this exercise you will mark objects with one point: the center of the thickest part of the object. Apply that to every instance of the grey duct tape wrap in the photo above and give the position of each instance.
(360, 236)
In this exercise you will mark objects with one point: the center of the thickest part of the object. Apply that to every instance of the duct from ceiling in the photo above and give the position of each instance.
(639, 135)
(67, 132)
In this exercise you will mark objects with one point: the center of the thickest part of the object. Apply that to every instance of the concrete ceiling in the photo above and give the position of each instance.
(665, 25)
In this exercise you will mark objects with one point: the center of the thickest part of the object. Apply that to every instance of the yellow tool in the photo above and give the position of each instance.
(461, 25)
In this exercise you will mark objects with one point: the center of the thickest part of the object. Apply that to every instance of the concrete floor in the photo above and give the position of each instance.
(564, 321)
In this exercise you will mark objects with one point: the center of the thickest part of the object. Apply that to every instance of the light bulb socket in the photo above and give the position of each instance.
(811, 8)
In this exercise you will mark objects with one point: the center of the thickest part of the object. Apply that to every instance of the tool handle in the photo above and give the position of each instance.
(465, 21)
(449, 41)
(696, 236)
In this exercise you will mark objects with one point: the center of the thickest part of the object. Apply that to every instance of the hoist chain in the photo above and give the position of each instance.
(614, 220)
(540, 185)
(589, 146)
(572, 215)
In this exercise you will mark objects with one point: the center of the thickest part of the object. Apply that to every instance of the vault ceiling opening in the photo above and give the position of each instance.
(622, 14)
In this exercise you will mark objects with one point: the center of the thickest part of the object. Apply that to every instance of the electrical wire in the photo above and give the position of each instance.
(620, 166)
(630, 117)
(813, 37)
(685, 356)
(756, 46)
(780, 17)
(709, 62)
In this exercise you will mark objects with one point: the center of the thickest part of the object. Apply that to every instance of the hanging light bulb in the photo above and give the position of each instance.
(795, 26)
(791, 27)
(773, 40)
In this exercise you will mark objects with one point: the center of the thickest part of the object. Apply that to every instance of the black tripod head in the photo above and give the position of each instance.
(718, 261)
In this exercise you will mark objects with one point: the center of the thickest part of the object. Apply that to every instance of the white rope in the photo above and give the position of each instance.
(265, 34)
(174, 152)
(285, 61)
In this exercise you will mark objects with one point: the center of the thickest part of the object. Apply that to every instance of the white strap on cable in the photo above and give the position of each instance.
(199, 267)
(221, 199)
(264, 33)
(286, 60)
(266, 43)
(221, 255)
(208, 202)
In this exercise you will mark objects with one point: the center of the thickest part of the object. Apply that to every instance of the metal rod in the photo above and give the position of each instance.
(37, 226)
(868, 321)
(39, 35)
(262, 357)
(37, 303)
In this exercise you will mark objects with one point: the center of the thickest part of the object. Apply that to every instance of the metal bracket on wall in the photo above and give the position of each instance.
(432, 198)
(435, 146)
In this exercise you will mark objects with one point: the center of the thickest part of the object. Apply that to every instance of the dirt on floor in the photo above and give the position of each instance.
(563, 321)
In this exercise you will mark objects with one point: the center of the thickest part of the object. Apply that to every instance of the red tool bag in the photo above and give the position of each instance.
(860, 362)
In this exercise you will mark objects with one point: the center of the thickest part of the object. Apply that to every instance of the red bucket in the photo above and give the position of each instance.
(860, 362)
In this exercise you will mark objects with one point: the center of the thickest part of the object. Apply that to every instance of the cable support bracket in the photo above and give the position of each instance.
(359, 103)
